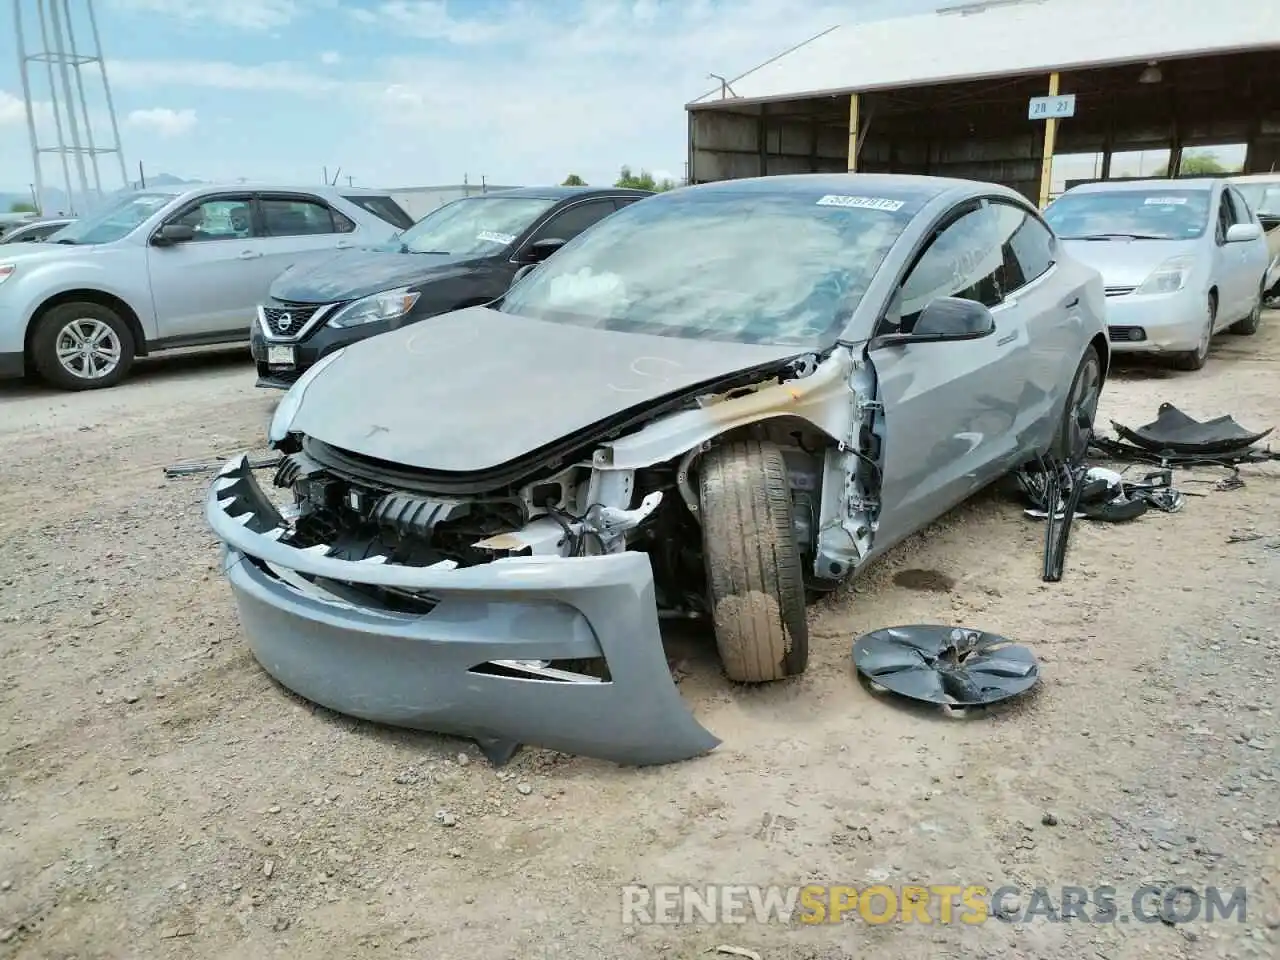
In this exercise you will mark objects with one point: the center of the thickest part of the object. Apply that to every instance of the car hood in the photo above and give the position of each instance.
(476, 389)
(350, 274)
(1126, 263)
(26, 252)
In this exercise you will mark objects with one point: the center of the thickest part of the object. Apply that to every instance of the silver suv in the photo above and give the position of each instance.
(165, 268)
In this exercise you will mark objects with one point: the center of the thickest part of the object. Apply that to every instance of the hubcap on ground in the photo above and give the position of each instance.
(88, 349)
(1084, 408)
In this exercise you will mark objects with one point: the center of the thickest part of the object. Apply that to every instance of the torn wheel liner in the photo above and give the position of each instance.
(954, 666)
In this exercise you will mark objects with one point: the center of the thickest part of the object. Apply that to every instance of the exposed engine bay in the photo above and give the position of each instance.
(628, 488)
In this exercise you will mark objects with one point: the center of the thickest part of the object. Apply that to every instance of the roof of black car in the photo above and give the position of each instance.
(561, 193)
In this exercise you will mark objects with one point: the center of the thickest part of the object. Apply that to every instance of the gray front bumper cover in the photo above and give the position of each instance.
(344, 652)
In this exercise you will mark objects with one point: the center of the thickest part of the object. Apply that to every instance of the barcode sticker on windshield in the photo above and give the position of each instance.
(865, 203)
(502, 238)
(1164, 201)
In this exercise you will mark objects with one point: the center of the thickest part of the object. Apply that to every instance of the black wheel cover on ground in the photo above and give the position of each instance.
(954, 666)
(1175, 432)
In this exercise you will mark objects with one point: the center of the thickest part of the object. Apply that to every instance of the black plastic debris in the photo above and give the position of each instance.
(951, 666)
(1174, 439)
(1174, 431)
(194, 469)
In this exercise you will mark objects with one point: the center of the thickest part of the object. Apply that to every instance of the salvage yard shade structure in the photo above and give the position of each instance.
(948, 93)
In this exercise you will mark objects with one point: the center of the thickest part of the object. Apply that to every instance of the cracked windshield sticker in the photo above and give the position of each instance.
(864, 203)
(491, 237)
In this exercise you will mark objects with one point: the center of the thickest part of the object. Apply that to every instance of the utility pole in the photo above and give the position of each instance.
(350, 180)
(142, 177)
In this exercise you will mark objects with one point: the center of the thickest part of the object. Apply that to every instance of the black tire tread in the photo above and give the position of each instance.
(754, 572)
(1060, 440)
(43, 346)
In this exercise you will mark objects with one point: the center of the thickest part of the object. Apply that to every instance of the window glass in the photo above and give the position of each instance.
(753, 265)
(573, 220)
(473, 226)
(221, 218)
(967, 260)
(1032, 244)
(1147, 213)
(384, 208)
(342, 223)
(117, 221)
(295, 218)
(1263, 198)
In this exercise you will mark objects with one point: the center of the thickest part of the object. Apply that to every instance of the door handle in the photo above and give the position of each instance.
(1073, 302)
(250, 254)
(345, 244)
(1007, 338)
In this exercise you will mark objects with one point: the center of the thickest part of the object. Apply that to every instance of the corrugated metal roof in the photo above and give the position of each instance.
(1025, 36)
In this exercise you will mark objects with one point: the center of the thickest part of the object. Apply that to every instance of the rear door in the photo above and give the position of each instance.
(300, 227)
(210, 285)
(951, 410)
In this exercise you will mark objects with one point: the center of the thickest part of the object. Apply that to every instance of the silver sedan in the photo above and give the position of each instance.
(707, 405)
(1182, 260)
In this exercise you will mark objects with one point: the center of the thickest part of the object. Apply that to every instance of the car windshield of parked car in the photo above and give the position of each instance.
(1263, 198)
(118, 220)
(785, 269)
(1155, 213)
(474, 226)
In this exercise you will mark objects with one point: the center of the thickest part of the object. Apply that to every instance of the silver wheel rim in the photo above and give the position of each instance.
(88, 349)
(1084, 409)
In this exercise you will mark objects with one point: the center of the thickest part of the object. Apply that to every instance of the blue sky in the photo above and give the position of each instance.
(414, 92)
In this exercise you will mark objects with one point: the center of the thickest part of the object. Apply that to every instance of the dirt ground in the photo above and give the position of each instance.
(161, 797)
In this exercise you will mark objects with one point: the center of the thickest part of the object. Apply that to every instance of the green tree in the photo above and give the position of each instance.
(573, 180)
(1195, 163)
(22, 206)
(642, 181)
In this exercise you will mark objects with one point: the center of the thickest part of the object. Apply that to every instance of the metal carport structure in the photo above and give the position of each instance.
(949, 93)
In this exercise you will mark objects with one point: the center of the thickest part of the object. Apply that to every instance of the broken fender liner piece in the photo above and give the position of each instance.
(953, 666)
(1175, 432)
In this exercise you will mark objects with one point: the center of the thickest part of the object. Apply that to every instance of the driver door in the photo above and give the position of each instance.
(211, 285)
(951, 408)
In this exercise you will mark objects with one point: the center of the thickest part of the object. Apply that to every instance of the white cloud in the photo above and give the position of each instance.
(330, 57)
(11, 109)
(521, 91)
(163, 121)
(240, 14)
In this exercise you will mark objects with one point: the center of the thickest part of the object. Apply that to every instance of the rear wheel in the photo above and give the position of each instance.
(82, 346)
(1071, 442)
(754, 574)
(1197, 358)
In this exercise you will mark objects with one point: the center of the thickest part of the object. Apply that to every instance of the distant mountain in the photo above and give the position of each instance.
(57, 200)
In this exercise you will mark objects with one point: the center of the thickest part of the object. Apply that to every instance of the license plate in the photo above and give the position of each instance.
(280, 356)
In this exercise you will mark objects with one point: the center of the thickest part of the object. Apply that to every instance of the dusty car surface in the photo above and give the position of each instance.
(708, 404)
(1182, 260)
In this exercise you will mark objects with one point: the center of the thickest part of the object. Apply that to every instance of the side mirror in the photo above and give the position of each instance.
(1244, 232)
(520, 274)
(539, 250)
(947, 318)
(172, 233)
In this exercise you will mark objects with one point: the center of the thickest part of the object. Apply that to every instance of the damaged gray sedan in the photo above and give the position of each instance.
(714, 404)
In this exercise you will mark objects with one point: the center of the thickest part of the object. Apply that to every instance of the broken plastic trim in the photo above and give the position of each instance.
(951, 666)
(1174, 433)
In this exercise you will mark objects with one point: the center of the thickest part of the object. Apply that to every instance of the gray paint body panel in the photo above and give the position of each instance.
(414, 670)
(509, 385)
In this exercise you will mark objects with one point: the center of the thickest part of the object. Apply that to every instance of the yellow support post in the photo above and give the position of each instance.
(1050, 137)
(853, 132)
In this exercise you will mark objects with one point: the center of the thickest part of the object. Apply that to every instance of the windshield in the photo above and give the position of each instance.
(475, 226)
(118, 220)
(1263, 198)
(784, 269)
(1155, 213)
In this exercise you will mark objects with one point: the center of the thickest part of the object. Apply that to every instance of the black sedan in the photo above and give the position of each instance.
(465, 253)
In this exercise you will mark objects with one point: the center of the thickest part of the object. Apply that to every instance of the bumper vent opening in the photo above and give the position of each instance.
(1126, 334)
(595, 670)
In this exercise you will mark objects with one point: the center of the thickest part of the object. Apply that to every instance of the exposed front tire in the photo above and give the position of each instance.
(1197, 358)
(1071, 442)
(754, 573)
(82, 346)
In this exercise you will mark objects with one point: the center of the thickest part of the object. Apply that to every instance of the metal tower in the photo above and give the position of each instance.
(53, 23)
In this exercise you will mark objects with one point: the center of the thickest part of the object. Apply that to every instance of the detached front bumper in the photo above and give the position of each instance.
(1156, 323)
(314, 633)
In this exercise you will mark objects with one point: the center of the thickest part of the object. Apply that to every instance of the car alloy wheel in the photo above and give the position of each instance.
(1083, 407)
(88, 349)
